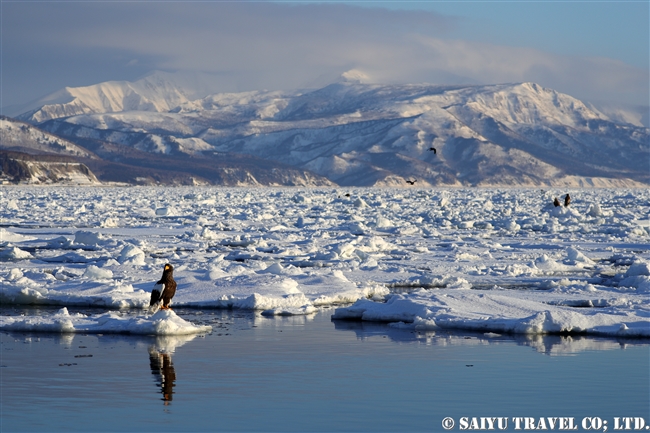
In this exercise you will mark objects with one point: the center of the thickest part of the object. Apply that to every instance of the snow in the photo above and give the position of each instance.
(356, 133)
(487, 260)
(161, 323)
(157, 91)
(16, 134)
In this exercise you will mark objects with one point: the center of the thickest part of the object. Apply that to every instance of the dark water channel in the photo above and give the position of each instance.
(255, 373)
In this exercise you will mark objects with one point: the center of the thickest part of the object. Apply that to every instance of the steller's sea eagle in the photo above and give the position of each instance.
(164, 290)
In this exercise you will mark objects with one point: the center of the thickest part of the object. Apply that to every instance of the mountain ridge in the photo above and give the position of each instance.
(157, 91)
(363, 134)
(31, 155)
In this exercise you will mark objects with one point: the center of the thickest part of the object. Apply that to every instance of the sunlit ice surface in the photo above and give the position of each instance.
(506, 261)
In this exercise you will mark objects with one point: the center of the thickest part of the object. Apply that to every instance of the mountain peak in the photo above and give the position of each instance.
(354, 76)
(157, 91)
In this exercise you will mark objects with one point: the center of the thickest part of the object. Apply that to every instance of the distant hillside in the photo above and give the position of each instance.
(23, 137)
(32, 155)
(124, 164)
(383, 135)
(18, 167)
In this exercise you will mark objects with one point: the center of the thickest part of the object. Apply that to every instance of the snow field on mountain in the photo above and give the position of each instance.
(490, 260)
(517, 134)
(22, 135)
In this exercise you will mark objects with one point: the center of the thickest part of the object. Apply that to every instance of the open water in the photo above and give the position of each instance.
(254, 373)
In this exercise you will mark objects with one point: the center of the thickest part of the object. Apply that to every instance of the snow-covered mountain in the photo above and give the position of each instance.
(159, 91)
(31, 155)
(355, 133)
(22, 137)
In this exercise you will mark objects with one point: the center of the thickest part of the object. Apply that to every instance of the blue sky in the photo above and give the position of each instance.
(596, 51)
(614, 29)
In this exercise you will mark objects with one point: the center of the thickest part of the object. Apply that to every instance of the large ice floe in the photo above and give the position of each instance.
(163, 322)
(490, 260)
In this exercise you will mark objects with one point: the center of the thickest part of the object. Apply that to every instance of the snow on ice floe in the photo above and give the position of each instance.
(9, 236)
(490, 260)
(510, 311)
(164, 322)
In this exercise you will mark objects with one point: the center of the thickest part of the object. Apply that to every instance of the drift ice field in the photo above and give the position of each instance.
(487, 260)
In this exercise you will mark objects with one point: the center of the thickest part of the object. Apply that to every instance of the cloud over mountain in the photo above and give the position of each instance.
(253, 46)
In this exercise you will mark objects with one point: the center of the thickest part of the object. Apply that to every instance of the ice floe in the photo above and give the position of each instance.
(164, 322)
(489, 260)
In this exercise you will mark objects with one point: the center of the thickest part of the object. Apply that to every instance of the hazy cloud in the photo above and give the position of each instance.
(276, 46)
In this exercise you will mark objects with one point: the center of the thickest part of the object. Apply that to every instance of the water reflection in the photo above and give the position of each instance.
(552, 345)
(162, 368)
(297, 372)
(162, 365)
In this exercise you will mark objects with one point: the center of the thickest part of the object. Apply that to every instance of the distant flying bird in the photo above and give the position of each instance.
(567, 200)
(411, 182)
(556, 202)
(433, 149)
(164, 290)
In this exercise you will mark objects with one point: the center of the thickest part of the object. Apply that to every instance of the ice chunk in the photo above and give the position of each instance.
(132, 255)
(575, 256)
(88, 238)
(94, 273)
(8, 236)
(164, 322)
(291, 311)
(14, 253)
(638, 268)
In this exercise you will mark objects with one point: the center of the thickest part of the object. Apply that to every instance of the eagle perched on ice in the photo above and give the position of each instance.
(164, 290)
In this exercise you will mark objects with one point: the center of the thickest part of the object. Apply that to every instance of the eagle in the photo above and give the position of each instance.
(433, 149)
(164, 290)
(411, 182)
(567, 200)
(556, 202)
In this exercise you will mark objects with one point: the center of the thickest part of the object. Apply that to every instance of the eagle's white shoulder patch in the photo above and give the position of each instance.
(160, 287)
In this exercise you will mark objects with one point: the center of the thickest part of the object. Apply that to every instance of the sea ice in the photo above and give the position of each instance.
(164, 322)
(489, 260)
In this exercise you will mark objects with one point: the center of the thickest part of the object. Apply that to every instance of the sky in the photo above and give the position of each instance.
(597, 51)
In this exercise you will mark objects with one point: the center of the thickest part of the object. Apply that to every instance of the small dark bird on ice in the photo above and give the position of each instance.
(411, 182)
(567, 200)
(433, 149)
(164, 290)
(556, 202)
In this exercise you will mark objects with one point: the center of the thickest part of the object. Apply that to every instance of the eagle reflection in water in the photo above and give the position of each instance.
(163, 368)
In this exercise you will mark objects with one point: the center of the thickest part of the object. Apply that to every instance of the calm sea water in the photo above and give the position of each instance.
(254, 373)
